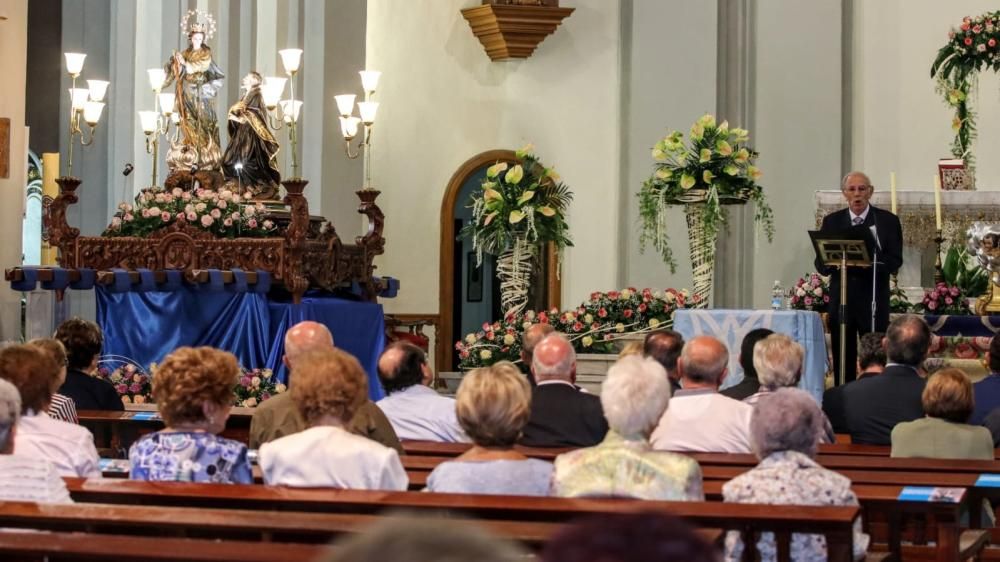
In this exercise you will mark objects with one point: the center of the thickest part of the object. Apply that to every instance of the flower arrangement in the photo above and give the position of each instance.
(255, 386)
(971, 47)
(592, 327)
(133, 383)
(945, 299)
(223, 213)
(716, 167)
(961, 269)
(810, 293)
(517, 208)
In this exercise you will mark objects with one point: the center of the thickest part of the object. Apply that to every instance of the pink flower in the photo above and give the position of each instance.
(642, 307)
(932, 305)
(121, 388)
(180, 216)
(954, 291)
(965, 25)
(186, 196)
(627, 313)
(826, 298)
(613, 295)
(981, 48)
(235, 216)
(207, 220)
(808, 301)
(216, 213)
(128, 217)
(977, 28)
(228, 222)
(165, 216)
(968, 41)
(577, 326)
(116, 222)
(252, 223)
(222, 204)
(135, 387)
(992, 42)
(602, 313)
(191, 217)
(948, 300)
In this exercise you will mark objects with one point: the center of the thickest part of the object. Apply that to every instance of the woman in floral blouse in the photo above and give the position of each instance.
(784, 432)
(193, 388)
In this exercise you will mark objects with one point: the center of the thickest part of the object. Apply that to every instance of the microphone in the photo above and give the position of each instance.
(128, 169)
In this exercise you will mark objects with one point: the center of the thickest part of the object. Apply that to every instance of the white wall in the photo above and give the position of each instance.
(14, 46)
(900, 123)
(444, 101)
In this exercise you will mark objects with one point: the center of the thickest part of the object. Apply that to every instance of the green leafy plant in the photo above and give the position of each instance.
(525, 200)
(961, 269)
(715, 168)
(899, 303)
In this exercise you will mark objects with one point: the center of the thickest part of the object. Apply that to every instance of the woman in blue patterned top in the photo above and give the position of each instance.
(193, 389)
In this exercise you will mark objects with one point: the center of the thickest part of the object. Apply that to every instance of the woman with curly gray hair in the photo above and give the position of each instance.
(784, 433)
(24, 478)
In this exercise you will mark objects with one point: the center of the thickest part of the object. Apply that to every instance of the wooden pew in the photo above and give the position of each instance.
(118, 430)
(116, 548)
(834, 522)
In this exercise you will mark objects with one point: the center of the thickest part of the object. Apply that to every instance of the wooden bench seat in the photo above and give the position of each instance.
(834, 522)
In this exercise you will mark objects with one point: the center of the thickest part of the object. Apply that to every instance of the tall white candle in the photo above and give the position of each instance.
(892, 191)
(937, 200)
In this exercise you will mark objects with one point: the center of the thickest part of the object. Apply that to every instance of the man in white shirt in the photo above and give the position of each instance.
(699, 419)
(416, 411)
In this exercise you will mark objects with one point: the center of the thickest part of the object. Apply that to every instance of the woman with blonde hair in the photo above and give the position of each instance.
(493, 404)
(193, 389)
(944, 432)
(330, 386)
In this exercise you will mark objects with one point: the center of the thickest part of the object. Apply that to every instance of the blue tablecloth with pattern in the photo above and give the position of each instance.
(730, 326)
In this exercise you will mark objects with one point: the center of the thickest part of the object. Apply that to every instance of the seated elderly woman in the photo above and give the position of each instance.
(61, 407)
(778, 362)
(493, 404)
(784, 433)
(23, 478)
(193, 389)
(944, 432)
(330, 386)
(634, 396)
(69, 447)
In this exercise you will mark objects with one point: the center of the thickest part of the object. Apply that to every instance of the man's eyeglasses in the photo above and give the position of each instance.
(857, 188)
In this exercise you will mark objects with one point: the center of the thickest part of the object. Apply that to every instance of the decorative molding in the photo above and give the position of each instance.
(513, 31)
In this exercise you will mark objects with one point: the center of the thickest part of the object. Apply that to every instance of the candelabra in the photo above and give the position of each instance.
(157, 123)
(291, 59)
(86, 104)
(349, 124)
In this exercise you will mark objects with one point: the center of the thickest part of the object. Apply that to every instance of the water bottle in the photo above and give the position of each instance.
(777, 296)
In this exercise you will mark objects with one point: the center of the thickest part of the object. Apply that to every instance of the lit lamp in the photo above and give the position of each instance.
(157, 123)
(86, 105)
(291, 59)
(349, 124)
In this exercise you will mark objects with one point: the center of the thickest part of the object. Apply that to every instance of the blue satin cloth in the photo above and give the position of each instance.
(147, 325)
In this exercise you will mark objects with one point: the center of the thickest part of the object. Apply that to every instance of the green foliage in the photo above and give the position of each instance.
(961, 269)
(524, 200)
(715, 168)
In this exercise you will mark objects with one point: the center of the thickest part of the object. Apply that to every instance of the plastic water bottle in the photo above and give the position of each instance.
(777, 296)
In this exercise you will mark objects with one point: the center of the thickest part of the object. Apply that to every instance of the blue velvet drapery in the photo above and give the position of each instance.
(147, 325)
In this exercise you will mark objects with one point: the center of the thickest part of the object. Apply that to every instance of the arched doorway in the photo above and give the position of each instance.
(468, 296)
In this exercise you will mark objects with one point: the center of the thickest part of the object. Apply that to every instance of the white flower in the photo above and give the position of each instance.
(250, 402)
(653, 323)
(255, 381)
(485, 355)
(470, 339)
(280, 388)
(200, 208)
(619, 327)
(508, 339)
(249, 211)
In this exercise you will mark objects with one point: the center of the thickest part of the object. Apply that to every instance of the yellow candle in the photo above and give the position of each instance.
(50, 170)
(892, 191)
(937, 200)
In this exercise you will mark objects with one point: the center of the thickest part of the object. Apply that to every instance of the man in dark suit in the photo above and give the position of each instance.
(561, 414)
(664, 347)
(83, 341)
(750, 384)
(874, 405)
(871, 361)
(857, 190)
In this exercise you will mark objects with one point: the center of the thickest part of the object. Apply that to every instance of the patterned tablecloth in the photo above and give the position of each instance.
(730, 326)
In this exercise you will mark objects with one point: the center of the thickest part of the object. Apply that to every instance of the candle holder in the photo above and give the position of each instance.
(349, 124)
(86, 104)
(291, 59)
(938, 271)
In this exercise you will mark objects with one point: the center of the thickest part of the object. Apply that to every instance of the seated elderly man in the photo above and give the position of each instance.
(785, 429)
(873, 406)
(68, 446)
(699, 418)
(22, 478)
(277, 416)
(416, 410)
(871, 362)
(634, 395)
(561, 415)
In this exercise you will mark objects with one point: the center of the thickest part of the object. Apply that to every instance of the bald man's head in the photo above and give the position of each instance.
(403, 365)
(554, 359)
(703, 362)
(305, 337)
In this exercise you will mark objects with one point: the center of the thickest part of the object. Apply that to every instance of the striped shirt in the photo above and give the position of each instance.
(63, 408)
(31, 480)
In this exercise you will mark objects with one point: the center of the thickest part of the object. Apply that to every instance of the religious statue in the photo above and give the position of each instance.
(251, 159)
(198, 79)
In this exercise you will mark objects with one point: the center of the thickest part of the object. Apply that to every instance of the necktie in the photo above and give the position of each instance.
(858, 220)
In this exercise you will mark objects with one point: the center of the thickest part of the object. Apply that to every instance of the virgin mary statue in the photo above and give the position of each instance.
(198, 79)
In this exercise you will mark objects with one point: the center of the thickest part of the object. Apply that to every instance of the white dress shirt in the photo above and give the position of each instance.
(24, 479)
(419, 413)
(68, 446)
(330, 456)
(702, 420)
(863, 216)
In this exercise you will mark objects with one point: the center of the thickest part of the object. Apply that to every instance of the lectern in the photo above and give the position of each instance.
(843, 249)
